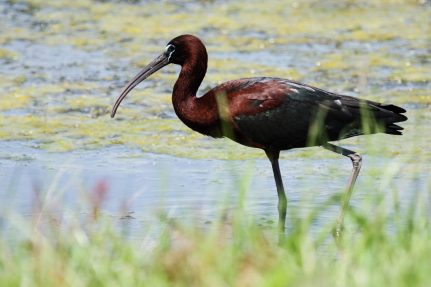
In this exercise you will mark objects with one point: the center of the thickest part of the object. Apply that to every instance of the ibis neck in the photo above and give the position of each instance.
(200, 114)
(188, 82)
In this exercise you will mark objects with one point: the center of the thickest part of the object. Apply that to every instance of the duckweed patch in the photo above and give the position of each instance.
(14, 101)
(7, 55)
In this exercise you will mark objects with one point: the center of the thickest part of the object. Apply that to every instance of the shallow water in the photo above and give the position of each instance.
(62, 64)
(142, 187)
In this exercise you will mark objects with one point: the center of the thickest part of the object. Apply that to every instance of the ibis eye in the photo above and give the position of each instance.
(170, 48)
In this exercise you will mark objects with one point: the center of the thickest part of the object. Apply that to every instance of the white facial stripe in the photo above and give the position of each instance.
(167, 48)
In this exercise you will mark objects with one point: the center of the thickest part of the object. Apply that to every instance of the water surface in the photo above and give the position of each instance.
(62, 65)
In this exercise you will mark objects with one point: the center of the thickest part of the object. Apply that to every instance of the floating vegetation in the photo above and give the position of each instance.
(64, 63)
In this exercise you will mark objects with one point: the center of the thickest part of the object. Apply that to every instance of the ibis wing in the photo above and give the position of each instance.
(250, 96)
(285, 114)
(347, 116)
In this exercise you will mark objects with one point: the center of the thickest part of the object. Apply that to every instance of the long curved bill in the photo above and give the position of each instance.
(150, 69)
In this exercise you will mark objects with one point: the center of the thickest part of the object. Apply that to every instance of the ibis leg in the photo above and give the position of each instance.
(282, 200)
(356, 161)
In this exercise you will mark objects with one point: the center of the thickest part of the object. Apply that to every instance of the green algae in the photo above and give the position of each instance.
(8, 55)
(373, 47)
(14, 101)
(412, 74)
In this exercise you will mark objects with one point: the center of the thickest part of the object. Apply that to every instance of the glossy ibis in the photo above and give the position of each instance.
(272, 114)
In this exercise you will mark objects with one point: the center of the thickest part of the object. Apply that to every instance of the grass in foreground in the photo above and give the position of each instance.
(377, 249)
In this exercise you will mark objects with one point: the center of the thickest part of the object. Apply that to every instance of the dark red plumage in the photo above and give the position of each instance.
(268, 113)
(273, 114)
